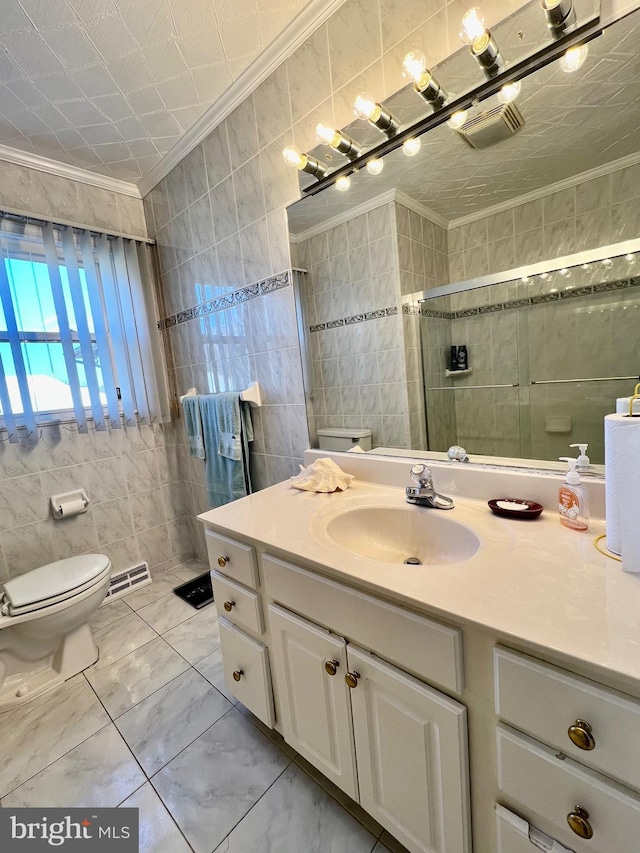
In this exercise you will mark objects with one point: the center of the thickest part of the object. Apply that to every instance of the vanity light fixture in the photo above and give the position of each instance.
(457, 120)
(375, 166)
(338, 141)
(509, 92)
(367, 109)
(304, 162)
(412, 146)
(574, 58)
(343, 183)
(414, 66)
(560, 14)
(484, 48)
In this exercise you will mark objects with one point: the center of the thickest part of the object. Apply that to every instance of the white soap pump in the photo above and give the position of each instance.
(582, 462)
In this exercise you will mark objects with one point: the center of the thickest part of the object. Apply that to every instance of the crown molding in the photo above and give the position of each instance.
(303, 25)
(426, 212)
(565, 184)
(63, 170)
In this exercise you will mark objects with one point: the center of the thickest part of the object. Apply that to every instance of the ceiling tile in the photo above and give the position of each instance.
(94, 81)
(30, 52)
(94, 134)
(14, 18)
(110, 36)
(148, 22)
(27, 92)
(72, 47)
(179, 92)
(80, 113)
(160, 124)
(164, 60)
(145, 100)
(114, 107)
(202, 48)
(58, 87)
(240, 36)
(45, 12)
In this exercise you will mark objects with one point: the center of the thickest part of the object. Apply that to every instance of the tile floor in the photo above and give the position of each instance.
(151, 726)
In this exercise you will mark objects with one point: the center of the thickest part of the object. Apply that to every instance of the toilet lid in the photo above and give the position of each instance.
(54, 579)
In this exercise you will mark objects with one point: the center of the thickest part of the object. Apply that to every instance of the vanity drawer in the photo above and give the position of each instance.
(546, 789)
(247, 676)
(545, 701)
(513, 833)
(239, 559)
(240, 605)
(426, 648)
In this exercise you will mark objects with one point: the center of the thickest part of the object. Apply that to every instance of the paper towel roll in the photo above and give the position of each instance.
(74, 507)
(622, 488)
(622, 406)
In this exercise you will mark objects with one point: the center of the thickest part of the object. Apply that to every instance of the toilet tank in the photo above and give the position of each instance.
(337, 438)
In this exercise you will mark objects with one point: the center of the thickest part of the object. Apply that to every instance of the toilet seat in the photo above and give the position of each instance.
(53, 583)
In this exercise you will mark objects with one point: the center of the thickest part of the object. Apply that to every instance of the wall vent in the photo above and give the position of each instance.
(493, 126)
(127, 580)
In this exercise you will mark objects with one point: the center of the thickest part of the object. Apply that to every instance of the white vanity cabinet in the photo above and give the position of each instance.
(390, 741)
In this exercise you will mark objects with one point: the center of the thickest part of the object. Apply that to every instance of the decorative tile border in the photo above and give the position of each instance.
(228, 300)
(543, 299)
(355, 318)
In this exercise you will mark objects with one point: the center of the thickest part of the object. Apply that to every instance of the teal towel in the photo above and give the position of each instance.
(227, 477)
(193, 424)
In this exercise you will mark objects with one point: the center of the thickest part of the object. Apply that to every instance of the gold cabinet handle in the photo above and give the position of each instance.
(580, 734)
(352, 679)
(222, 561)
(229, 605)
(578, 820)
(237, 674)
(331, 666)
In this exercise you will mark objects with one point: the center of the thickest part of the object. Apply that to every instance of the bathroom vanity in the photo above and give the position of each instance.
(496, 682)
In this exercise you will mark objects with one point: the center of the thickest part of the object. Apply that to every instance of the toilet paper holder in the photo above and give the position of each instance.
(68, 504)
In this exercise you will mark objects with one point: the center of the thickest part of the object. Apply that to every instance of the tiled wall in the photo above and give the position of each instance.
(53, 197)
(134, 477)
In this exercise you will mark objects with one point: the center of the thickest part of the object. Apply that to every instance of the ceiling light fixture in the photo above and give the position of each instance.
(304, 162)
(338, 141)
(375, 166)
(411, 146)
(457, 120)
(509, 92)
(484, 48)
(414, 66)
(343, 183)
(367, 109)
(574, 58)
(560, 14)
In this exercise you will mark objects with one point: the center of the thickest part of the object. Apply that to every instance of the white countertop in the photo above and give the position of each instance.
(535, 582)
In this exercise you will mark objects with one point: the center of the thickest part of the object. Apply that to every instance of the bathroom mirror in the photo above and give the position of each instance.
(566, 182)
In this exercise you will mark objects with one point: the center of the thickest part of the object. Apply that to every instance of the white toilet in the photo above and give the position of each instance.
(44, 633)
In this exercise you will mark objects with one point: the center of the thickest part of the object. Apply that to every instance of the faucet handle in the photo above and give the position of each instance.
(421, 474)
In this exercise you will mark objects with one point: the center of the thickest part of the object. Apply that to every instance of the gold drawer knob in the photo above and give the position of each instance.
(580, 734)
(352, 679)
(331, 666)
(222, 561)
(237, 674)
(578, 820)
(229, 605)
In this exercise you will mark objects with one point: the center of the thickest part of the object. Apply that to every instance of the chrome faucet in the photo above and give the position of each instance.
(423, 493)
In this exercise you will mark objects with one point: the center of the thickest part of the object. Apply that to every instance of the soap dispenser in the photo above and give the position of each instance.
(572, 499)
(582, 461)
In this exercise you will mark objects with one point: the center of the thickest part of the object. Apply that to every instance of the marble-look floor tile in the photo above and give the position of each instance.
(211, 668)
(166, 613)
(197, 637)
(191, 569)
(160, 586)
(136, 676)
(108, 614)
(100, 772)
(214, 782)
(297, 814)
(164, 724)
(158, 832)
(35, 736)
(119, 639)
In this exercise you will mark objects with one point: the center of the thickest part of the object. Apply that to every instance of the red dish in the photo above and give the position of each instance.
(524, 509)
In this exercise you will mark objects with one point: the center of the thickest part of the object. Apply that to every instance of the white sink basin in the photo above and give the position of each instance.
(396, 534)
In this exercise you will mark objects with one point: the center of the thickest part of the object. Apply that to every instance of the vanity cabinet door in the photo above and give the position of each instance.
(310, 664)
(411, 750)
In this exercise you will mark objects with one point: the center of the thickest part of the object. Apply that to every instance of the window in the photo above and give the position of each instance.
(76, 334)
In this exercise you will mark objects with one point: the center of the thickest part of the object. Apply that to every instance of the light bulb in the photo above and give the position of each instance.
(544, 276)
(509, 92)
(365, 107)
(586, 266)
(414, 65)
(343, 183)
(375, 166)
(525, 279)
(411, 147)
(473, 26)
(607, 262)
(574, 58)
(564, 271)
(293, 157)
(325, 133)
(630, 258)
(457, 119)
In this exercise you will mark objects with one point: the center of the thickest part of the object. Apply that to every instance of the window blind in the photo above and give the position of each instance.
(78, 337)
